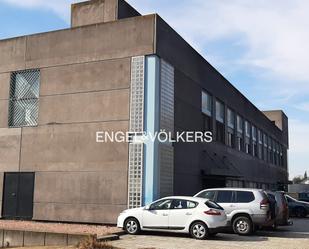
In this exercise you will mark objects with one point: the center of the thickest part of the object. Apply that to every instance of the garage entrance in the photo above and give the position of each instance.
(18, 196)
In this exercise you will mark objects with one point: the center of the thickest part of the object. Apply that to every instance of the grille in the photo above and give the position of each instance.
(24, 98)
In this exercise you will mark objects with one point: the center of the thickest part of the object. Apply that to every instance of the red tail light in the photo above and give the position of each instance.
(264, 204)
(212, 212)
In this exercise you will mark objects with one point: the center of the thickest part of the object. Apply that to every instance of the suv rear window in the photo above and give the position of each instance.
(207, 195)
(224, 196)
(244, 196)
(212, 204)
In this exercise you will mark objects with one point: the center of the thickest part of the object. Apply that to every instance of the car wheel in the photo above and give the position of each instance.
(242, 225)
(131, 226)
(300, 212)
(199, 230)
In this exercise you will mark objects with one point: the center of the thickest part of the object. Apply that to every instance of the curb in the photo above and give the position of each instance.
(110, 237)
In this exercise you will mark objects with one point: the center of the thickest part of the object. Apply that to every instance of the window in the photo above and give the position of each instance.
(239, 124)
(290, 199)
(220, 122)
(24, 98)
(254, 142)
(260, 145)
(270, 150)
(230, 128)
(239, 138)
(230, 118)
(207, 195)
(206, 103)
(265, 151)
(183, 204)
(214, 205)
(207, 111)
(224, 196)
(244, 196)
(281, 155)
(247, 128)
(161, 205)
(247, 138)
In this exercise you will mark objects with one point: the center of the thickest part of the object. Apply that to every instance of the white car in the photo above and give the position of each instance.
(197, 216)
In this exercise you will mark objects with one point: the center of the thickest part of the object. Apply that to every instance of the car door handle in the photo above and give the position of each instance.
(188, 213)
(165, 214)
(232, 205)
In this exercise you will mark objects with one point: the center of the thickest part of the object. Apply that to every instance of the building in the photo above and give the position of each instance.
(115, 70)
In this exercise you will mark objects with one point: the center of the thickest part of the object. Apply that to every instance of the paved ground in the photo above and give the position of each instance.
(296, 236)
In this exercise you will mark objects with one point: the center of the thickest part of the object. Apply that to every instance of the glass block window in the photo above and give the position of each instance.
(135, 185)
(137, 94)
(24, 98)
(206, 103)
(219, 111)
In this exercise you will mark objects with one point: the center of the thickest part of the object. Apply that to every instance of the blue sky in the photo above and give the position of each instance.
(262, 47)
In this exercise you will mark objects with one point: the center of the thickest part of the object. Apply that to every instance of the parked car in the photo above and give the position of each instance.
(245, 208)
(297, 208)
(196, 216)
(281, 209)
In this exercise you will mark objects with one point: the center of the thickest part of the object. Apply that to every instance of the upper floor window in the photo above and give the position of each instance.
(247, 128)
(220, 122)
(24, 98)
(219, 111)
(239, 124)
(254, 141)
(207, 111)
(206, 103)
(230, 130)
(230, 118)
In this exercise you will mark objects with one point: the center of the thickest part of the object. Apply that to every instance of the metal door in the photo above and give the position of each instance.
(18, 195)
(10, 195)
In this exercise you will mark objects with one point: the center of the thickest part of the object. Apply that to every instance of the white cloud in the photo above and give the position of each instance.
(303, 106)
(274, 33)
(59, 7)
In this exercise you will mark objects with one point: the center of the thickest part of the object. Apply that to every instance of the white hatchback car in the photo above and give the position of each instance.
(197, 216)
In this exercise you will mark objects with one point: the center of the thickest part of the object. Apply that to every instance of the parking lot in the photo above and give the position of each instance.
(296, 236)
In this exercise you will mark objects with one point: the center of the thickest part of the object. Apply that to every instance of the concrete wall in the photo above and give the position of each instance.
(85, 86)
(11, 238)
(97, 11)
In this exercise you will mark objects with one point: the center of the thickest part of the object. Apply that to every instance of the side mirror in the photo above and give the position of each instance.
(147, 207)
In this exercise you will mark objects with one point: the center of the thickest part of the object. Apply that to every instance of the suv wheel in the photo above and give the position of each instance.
(242, 225)
(131, 226)
(199, 230)
(300, 212)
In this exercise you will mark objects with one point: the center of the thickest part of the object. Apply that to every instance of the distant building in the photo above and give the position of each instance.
(115, 70)
(303, 186)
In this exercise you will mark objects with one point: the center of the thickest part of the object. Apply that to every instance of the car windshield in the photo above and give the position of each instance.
(290, 199)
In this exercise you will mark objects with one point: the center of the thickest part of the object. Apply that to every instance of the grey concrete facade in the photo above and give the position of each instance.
(85, 87)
